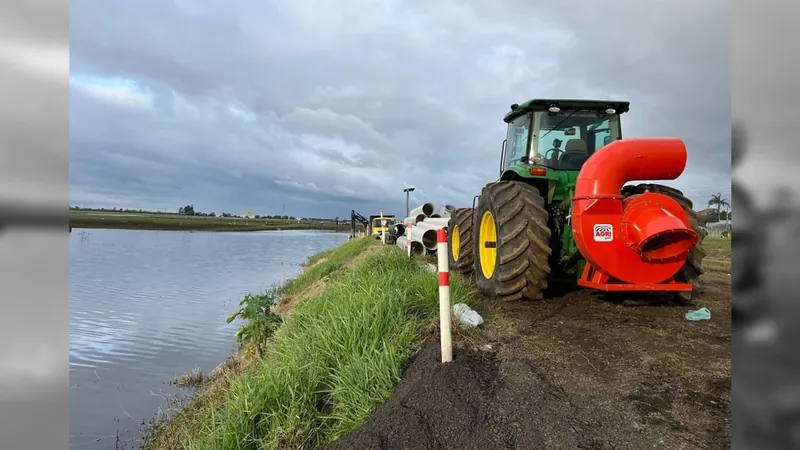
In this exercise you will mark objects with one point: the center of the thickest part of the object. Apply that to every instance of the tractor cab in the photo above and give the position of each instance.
(559, 134)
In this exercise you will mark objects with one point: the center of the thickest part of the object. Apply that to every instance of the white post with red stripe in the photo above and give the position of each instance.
(444, 295)
(383, 233)
(408, 239)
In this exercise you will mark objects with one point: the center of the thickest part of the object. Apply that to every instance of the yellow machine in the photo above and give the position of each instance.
(376, 229)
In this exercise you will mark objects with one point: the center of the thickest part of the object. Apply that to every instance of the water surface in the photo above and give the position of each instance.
(146, 306)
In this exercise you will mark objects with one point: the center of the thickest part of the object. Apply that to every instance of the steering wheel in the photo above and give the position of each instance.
(547, 154)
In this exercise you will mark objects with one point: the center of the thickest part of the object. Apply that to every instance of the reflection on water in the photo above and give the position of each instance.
(146, 306)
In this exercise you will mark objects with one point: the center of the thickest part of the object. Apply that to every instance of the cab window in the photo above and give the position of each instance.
(517, 140)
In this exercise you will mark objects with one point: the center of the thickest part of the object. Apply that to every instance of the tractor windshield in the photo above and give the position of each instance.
(567, 139)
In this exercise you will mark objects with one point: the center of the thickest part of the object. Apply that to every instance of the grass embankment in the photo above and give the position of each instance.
(186, 223)
(358, 313)
(718, 254)
(717, 247)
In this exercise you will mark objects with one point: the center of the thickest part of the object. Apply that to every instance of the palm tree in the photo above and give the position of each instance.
(718, 201)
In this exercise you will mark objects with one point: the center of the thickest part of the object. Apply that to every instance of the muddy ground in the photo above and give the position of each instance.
(573, 372)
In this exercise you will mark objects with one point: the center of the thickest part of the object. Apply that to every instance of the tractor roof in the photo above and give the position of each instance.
(542, 105)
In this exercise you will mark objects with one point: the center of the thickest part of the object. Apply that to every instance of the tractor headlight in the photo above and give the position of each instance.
(611, 110)
(554, 109)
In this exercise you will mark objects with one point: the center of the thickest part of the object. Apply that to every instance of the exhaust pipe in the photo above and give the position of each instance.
(642, 239)
(426, 209)
(655, 234)
(423, 235)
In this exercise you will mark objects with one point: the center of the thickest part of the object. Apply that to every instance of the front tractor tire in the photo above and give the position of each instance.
(511, 245)
(691, 271)
(460, 241)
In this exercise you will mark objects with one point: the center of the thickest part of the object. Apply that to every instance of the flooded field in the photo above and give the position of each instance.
(146, 306)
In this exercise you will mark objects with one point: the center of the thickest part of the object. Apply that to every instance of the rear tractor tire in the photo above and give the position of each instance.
(511, 244)
(459, 241)
(691, 271)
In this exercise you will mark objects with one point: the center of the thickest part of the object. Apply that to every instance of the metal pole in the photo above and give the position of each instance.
(408, 191)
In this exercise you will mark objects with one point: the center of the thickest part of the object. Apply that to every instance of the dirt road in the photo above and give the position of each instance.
(575, 372)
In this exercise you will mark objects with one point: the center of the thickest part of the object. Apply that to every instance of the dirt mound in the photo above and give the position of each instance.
(573, 372)
(287, 303)
(469, 403)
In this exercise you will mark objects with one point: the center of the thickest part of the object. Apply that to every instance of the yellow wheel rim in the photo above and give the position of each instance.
(456, 242)
(487, 245)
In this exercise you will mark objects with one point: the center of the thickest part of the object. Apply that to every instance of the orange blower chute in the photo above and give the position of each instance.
(635, 243)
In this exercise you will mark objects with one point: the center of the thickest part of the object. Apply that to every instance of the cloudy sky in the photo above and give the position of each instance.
(324, 106)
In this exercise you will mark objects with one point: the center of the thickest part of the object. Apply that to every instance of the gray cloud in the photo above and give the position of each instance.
(327, 106)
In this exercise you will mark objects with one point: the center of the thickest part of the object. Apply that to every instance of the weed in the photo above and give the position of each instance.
(330, 268)
(260, 322)
(192, 379)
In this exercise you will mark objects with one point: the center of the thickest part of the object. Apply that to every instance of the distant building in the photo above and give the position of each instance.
(707, 212)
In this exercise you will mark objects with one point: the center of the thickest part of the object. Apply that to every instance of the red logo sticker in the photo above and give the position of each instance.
(603, 233)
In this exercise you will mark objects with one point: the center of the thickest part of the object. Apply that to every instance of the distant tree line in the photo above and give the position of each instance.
(189, 210)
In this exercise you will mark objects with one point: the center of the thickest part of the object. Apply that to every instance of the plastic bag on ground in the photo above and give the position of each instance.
(700, 314)
(467, 316)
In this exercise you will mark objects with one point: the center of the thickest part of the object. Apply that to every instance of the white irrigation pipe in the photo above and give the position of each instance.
(414, 219)
(444, 296)
(425, 235)
(426, 208)
(425, 225)
(436, 222)
(416, 247)
(447, 210)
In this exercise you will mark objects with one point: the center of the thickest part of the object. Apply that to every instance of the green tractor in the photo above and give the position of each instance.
(519, 235)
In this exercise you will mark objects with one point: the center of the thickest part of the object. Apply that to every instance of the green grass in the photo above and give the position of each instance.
(717, 247)
(717, 243)
(177, 222)
(333, 361)
(325, 263)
